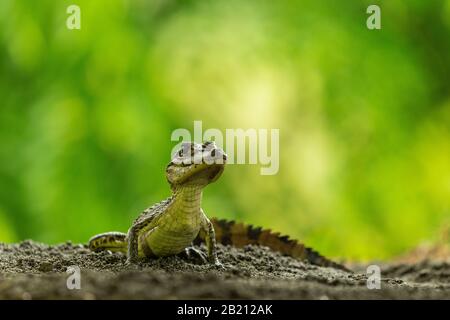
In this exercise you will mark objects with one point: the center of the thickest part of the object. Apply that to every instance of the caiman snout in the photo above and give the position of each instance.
(212, 154)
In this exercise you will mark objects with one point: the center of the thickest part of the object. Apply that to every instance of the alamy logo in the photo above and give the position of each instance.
(74, 19)
(74, 280)
(235, 145)
(374, 278)
(374, 20)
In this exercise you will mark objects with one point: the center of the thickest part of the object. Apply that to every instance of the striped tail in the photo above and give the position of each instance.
(112, 241)
(240, 235)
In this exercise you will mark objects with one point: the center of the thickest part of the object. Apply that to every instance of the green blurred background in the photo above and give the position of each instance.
(364, 116)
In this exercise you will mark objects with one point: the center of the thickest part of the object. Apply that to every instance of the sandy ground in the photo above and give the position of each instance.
(30, 270)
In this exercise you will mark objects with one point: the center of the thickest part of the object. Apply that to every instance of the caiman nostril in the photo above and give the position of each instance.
(224, 156)
(213, 153)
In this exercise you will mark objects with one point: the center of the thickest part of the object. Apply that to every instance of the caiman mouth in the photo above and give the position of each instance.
(208, 172)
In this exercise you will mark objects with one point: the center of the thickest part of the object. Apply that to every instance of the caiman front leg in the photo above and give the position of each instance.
(133, 249)
(207, 229)
(135, 233)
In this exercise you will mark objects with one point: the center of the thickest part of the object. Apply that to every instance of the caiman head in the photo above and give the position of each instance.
(196, 164)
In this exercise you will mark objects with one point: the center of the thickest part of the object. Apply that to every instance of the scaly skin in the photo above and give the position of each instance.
(171, 226)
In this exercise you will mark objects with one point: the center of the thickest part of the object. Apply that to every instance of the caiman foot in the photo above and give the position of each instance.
(134, 263)
(219, 265)
(216, 263)
(192, 253)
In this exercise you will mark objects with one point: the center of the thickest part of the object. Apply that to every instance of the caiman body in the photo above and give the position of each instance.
(173, 225)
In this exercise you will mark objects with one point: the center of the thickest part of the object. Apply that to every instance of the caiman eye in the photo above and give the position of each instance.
(180, 153)
(213, 153)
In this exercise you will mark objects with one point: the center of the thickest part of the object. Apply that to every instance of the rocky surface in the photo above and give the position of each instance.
(31, 270)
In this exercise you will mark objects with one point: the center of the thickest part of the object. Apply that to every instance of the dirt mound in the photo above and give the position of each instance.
(31, 270)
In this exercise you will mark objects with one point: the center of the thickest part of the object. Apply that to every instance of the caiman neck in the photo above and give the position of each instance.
(188, 198)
